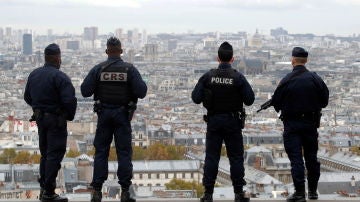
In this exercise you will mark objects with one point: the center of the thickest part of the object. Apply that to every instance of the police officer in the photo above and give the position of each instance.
(223, 92)
(114, 84)
(300, 96)
(51, 95)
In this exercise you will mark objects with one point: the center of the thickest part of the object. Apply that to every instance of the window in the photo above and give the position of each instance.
(140, 176)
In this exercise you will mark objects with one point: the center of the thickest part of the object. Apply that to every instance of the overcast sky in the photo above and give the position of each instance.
(340, 17)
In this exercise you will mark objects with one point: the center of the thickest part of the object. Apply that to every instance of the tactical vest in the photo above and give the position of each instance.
(113, 86)
(226, 96)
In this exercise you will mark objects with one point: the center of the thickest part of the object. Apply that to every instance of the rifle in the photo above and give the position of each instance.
(266, 105)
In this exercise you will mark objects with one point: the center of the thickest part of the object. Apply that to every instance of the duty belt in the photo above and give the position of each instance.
(300, 116)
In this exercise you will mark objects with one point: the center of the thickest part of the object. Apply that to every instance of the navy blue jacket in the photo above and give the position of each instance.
(138, 86)
(243, 85)
(304, 93)
(50, 90)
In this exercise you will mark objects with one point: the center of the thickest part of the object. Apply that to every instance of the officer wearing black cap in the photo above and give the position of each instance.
(223, 92)
(300, 96)
(51, 95)
(116, 85)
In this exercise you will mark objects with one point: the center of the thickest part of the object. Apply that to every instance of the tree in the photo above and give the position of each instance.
(223, 151)
(112, 154)
(22, 157)
(157, 152)
(91, 152)
(72, 153)
(35, 158)
(177, 184)
(139, 153)
(7, 156)
(163, 152)
(355, 149)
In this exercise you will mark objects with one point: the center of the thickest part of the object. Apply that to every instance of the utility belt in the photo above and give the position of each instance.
(131, 107)
(237, 114)
(39, 115)
(314, 117)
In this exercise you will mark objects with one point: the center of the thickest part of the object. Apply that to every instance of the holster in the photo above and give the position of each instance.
(131, 109)
(37, 115)
(97, 106)
(206, 118)
(242, 117)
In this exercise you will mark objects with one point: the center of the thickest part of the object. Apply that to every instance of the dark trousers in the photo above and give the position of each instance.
(52, 144)
(224, 127)
(113, 123)
(301, 140)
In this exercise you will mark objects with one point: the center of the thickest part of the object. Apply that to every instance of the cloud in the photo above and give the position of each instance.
(72, 3)
(348, 2)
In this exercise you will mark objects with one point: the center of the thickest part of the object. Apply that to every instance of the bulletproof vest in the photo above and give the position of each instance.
(113, 86)
(226, 97)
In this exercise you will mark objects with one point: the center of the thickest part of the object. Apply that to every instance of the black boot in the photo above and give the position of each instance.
(41, 193)
(125, 196)
(207, 197)
(297, 197)
(313, 195)
(240, 197)
(53, 198)
(96, 196)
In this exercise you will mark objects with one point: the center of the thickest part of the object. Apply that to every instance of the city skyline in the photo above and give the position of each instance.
(319, 17)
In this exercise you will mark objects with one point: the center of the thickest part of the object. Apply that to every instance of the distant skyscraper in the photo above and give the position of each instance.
(135, 36)
(27, 44)
(50, 35)
(8, 31)
(90, 33)
(1, 34)
(144, 37)
(151, 51)
(130, 36)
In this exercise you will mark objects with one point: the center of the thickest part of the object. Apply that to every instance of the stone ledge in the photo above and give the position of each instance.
(197, 200)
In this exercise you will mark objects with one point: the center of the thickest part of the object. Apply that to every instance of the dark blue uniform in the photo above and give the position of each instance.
(229, 90)
(50, 92)
(113, 118)
(300, 97)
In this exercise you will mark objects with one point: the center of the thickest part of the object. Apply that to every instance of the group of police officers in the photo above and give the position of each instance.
(116, 86)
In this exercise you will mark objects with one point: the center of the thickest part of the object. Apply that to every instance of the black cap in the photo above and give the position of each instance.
(299, 52)
(52, 49)
(113, 41)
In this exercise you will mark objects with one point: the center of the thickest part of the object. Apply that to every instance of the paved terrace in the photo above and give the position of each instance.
(197, 200)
